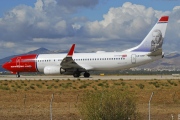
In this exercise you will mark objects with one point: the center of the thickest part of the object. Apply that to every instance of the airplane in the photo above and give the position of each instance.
(149, 50)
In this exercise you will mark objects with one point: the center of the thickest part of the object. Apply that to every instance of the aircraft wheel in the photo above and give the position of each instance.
(86, 74)
(18, 75)
(76, 74)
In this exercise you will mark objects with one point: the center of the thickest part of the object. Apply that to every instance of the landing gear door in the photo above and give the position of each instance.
(133, 59)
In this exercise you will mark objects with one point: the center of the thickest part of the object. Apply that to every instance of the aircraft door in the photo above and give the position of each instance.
(133, 59)
(18, 62)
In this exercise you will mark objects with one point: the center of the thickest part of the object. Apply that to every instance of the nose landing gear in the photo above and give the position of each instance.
(18, 75)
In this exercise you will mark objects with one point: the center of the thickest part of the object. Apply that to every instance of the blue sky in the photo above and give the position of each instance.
(26, 25)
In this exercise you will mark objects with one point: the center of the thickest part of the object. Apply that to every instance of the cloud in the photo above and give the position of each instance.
(72, 6)
(172, 33)
(131, 23)
(64, 6)
(78, 3)
(53, 24)
(7, 45)
(126, 22)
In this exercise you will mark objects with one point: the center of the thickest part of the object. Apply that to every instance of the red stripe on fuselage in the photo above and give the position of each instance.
(24, 63)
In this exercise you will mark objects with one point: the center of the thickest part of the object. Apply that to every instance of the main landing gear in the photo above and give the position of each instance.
(77, 74)
(18, 75)
(86, 74)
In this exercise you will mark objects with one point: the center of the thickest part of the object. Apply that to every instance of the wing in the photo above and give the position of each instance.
(68, 62)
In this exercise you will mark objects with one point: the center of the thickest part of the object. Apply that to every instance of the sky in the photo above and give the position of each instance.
(93, 25)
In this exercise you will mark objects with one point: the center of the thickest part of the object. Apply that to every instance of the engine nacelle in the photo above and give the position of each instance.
(48, 70)
(62, 71)
(51, 70)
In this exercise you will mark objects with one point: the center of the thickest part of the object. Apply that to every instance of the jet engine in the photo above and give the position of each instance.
(48, 70)
(51, 70)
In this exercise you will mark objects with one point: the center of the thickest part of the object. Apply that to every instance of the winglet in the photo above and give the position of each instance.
(163, 19)
(71, 51)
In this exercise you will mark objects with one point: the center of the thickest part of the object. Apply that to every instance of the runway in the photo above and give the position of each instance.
(93, 77)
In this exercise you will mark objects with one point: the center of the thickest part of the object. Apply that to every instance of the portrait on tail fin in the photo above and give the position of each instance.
(157, 40)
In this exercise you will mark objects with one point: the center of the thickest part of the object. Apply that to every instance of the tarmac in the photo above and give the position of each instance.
(93, 77)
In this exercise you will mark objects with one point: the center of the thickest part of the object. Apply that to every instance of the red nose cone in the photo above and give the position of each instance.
(5, 66)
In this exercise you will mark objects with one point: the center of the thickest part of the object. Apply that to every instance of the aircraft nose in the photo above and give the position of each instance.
(5, 66)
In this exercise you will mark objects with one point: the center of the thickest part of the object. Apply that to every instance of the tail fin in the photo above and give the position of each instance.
(154, 40)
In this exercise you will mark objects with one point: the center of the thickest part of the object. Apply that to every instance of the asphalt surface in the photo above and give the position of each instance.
(93, 77)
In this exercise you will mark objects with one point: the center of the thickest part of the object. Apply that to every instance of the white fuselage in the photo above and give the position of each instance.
(98, 61)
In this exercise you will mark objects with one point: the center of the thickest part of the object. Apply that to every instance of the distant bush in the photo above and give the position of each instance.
(67, 85)
(106, 85)
(39, 86)
(109, 105)
(26, 88)
(4, 87)
(101, 84)
(49, 87)
(19, 87)
(156, 84)
(141, 86)
(117, 83)
(32, 87)
(172, 83)
(5, 84)
(83, 86)
(57, 80)
(95, 88)
(123, 83)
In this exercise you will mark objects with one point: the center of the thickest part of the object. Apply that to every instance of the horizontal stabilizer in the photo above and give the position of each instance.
(156, 53)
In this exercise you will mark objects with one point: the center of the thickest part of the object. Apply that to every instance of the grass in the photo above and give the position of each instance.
(165, 101)
(85, 84)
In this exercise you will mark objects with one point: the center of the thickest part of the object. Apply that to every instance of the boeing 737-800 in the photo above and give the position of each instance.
(150, 49)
